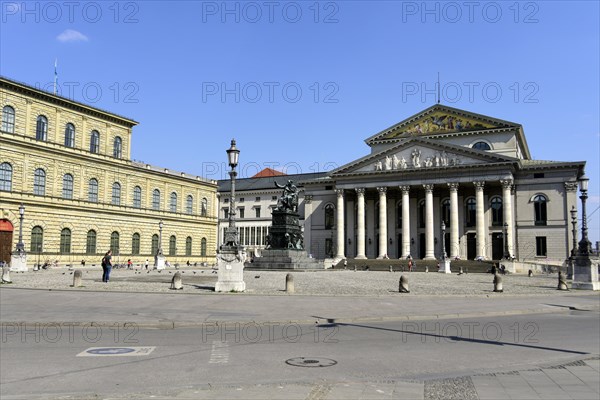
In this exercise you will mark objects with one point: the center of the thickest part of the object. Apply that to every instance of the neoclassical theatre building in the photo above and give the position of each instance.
(69, 165)
(444, 166)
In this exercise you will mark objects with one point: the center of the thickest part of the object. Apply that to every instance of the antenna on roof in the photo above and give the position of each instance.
(55, 74)
(438, 89)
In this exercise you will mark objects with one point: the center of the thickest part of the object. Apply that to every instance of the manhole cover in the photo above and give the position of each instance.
(310, 362)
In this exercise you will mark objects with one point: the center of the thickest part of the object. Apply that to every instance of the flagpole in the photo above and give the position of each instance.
(55, 75)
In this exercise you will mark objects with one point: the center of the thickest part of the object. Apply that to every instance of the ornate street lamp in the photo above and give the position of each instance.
(574, 222)
(231, 234)
(160, 228)
(443, 241)
(584, 243)
(20, 249)
(506, 255)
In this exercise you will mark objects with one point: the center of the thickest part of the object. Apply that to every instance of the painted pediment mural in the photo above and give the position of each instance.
(419, 154)
(440, 119)
(442, 122)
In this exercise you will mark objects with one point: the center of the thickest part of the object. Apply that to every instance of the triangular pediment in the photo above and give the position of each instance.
(440, 119)
(421, 154)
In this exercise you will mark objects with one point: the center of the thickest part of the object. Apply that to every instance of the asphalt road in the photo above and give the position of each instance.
(46, 360)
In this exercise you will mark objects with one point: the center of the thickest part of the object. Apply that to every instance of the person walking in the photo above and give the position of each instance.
(106, 266)
(146, 263)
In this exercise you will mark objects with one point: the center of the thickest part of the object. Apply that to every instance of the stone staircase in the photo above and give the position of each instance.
(469, 266)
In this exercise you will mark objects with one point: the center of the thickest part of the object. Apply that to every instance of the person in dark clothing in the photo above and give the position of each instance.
(106, 266)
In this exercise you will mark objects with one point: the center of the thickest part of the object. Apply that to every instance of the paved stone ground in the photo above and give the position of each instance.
(575, 380)
(361, 283)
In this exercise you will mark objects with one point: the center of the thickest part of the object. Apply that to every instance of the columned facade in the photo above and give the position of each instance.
(360, 234)
(382, 222)
(429, 240)
(405, 221)
(454, 244)
(480, 219)
(340, 225)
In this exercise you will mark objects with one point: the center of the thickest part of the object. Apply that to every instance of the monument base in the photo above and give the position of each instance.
(585, 274)
(18, 262)
(285, 259)
(445, 267)
(159, 262)
(230, 273)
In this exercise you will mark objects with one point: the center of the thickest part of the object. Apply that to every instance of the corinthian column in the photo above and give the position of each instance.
(454, 246)
(360, 235)
(340, 224)
(429, 254)
(382, 221)
(479, 219)
(508, 214)
(405, 221)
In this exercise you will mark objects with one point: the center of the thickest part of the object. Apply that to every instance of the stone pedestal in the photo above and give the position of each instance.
(230, 274)
(159, 262)
(18, 262)
(509, 265)
(445, 267)
(585, 274)
(285, 259)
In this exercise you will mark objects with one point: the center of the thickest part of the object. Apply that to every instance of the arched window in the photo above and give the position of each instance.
(95, 142)
(497, 212)
(116, 194)
(481, 146)
(6, 177)
(41, 128)
(70, 135)
(421, 214)
(172, 245)
(189, 204)
(114, 243)
(37, 239)
(39, 182)
(154, 249)
(204, 207)
(203, 247)
(90, 242)
(446, 212)
(539, 207)
(117, 147)
(329, 216)
(173, 202)
(137, 197)
(470, 212)
(8, 119)
(67, 192)
(135, 244)
(93, 190)
(156, 199)
(65, 241)
(188, 246)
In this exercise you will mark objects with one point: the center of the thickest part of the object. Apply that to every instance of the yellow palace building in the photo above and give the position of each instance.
(70, 167)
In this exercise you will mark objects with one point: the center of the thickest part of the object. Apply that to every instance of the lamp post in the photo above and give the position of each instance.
(506, 254)
(231, 234)
(20, 245)
(574, 222)
(39, 251)
(443, 241)
(584, 243)
(160, 228)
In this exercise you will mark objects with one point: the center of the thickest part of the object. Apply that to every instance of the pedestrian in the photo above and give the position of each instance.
(410, 265)
(129, 264)
(146, 263)
(106, 266)
(83, 263)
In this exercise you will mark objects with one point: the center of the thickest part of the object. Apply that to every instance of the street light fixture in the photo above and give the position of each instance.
(160, 228)
(231, 234)
(20, 249)
(443, 241)
(584, 243)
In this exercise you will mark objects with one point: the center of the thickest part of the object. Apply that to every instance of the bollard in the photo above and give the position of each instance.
(460, 271)
(176, 283)
(6, 274)
(391, 269)
(498, 283)
(77, 278)
(530, 273)
(426, 268)
(289, 283)
(562, 283)
(355, 268)
(403, 285)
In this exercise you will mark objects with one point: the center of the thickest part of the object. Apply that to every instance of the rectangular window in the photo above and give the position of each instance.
(538, 175)
(225, 213)
(241, 213)
(226, 200)
(540, 246)
(241, 199)
(257, 199)
(274, 198)
(257, 211)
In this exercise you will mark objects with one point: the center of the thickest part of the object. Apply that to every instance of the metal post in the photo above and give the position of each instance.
(443, 241)
(160, 226)
(574, 222)
(20, 249)
(584, 244)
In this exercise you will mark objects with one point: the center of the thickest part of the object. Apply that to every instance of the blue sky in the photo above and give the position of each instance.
(300, 85)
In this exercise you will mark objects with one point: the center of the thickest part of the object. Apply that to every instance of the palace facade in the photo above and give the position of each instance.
(70, 166)
(444, 167)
